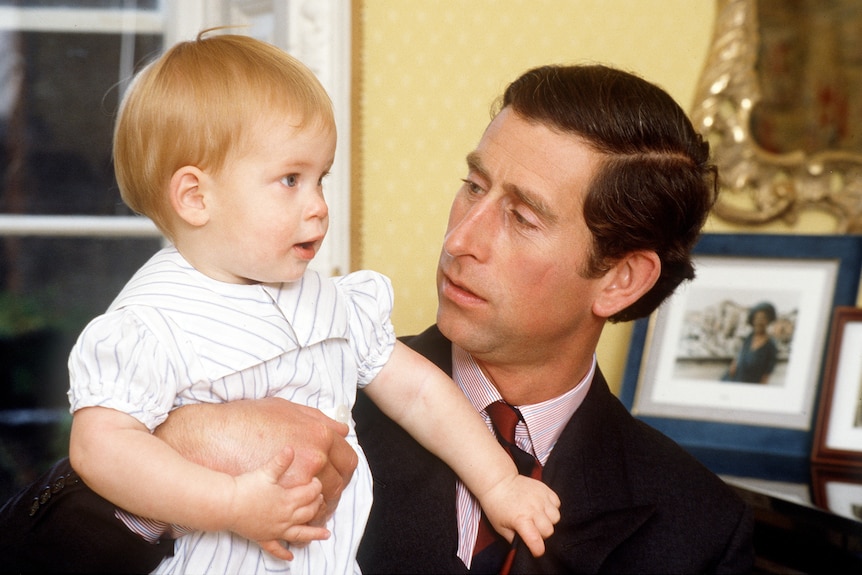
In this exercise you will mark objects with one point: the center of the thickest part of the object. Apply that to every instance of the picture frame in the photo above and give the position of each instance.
(838, 490)
(677, 372)
(838, 435)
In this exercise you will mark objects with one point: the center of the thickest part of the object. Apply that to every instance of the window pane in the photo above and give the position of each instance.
(51, 288)
(56, 127)
(139, 4)
(58, 99)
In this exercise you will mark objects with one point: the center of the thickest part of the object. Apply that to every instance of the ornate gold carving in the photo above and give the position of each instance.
(759, 186)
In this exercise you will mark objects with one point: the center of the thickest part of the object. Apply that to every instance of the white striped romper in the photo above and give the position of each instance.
(174, 336)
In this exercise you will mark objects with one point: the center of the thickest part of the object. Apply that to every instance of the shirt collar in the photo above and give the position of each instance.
(544, 421)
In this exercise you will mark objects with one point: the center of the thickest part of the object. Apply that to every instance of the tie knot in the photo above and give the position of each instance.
(504, 417)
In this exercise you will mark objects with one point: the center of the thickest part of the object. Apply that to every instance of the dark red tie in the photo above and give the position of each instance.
(492, 553)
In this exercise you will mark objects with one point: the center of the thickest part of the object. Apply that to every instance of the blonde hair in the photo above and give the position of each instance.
(197, 103)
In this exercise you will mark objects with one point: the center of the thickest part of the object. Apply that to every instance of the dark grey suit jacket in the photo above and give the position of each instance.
(632, 500)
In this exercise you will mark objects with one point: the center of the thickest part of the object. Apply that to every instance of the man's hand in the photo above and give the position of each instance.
(241, 436)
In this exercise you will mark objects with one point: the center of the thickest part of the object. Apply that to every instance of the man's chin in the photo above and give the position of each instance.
(456, 326)
(446, 320)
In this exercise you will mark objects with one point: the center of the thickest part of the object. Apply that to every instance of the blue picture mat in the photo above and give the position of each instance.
(753, 450)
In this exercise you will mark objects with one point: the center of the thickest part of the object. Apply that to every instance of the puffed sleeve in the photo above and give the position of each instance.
(119, 363)
(369, 300)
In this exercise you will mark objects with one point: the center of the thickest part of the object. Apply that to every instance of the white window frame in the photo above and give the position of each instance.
(315, 31)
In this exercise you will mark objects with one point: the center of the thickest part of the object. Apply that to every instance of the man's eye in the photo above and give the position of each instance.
(472, 187)
(522, 220)
(290, 181)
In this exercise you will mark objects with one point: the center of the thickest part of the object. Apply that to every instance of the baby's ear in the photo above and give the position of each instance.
(187, 197)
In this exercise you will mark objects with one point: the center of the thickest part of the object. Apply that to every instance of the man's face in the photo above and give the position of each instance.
(508, 281)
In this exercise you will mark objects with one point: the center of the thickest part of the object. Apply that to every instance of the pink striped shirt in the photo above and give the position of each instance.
(537, 434)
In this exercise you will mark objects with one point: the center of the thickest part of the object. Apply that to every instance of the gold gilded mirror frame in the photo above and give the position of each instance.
(759, 186)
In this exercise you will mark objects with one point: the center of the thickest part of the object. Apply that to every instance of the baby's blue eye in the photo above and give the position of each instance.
(290, 181)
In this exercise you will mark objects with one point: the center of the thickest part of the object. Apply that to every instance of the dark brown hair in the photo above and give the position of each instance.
(656, 185)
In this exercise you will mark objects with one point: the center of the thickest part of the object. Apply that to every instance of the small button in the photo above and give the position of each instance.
(59, 484)
(45, 496)
(342, 414)
(34, 507)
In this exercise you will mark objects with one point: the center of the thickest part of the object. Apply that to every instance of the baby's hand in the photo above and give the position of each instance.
(264, 511)
(525, 505)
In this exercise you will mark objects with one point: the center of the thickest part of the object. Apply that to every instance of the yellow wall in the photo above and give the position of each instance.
(429, 71)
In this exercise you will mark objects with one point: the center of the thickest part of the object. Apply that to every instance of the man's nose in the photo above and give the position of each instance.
(470, 230)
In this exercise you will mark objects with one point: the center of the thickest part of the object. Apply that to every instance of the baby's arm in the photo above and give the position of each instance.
(425, 402)
(118, 458)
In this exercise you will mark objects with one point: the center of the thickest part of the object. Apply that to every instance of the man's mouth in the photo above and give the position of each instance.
(455, 290)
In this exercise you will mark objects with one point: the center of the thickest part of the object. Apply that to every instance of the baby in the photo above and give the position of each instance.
(224, 143)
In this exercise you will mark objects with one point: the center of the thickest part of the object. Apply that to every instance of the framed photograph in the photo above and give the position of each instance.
(838, 437)
(838, 490)
(731, 363)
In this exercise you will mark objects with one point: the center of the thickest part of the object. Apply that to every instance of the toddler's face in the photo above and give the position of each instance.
(267, 208)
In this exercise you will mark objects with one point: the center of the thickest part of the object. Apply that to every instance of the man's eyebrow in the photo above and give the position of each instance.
(474, 164)
(539, 207)
(533, 201)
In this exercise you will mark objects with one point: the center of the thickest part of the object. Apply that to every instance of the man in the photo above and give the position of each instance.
(581, 204)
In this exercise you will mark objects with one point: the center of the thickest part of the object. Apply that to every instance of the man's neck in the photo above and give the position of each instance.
(526, 384)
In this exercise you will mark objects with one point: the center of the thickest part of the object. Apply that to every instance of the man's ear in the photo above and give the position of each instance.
(626, 282)
(187, 195)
